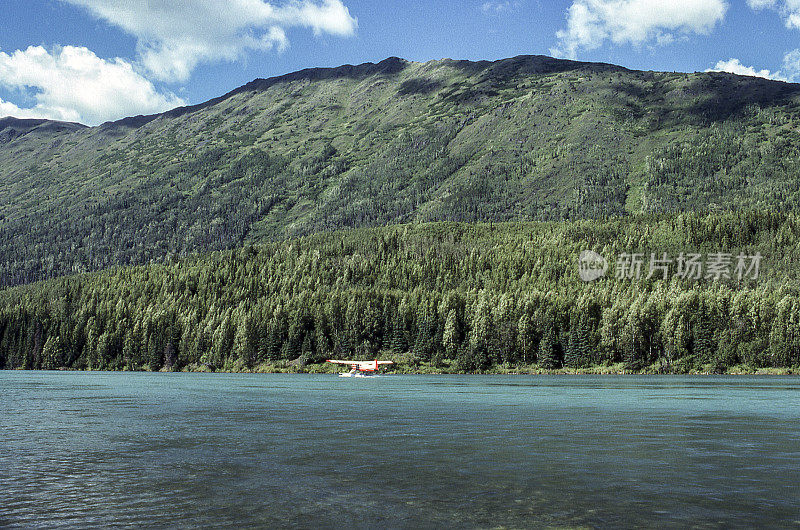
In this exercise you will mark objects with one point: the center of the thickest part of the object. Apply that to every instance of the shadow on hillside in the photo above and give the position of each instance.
(705, 98)
(726, 95)
(529, 65)
(418, 86)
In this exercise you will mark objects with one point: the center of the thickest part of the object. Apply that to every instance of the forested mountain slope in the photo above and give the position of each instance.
(528, 138)
(443, 296)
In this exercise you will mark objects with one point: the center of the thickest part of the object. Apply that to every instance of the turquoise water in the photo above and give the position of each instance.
(131, 449)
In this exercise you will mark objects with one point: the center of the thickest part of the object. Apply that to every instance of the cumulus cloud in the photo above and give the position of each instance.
(790, 72)
(9, 109)
(591, 23)
(789, 10)
(735, 66)
(791, 65)
(73, 84)
(174, 36)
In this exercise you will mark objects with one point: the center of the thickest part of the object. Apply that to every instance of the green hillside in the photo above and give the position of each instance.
(522, 139)
(443, 296)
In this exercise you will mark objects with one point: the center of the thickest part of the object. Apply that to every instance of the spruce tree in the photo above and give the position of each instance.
(451, 338)
(578, 352)
(548, 353)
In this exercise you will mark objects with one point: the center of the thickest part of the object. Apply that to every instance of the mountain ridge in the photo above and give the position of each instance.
(527, 138)
(390, 65)
(12, 128)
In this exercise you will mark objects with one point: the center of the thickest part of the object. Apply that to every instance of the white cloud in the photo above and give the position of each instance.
(790, 72)
(173, 37)
(73, 84)
(791, 65)
(591, 23)
(789, 10)
(9, 109)
(734, 66)
(500, 7)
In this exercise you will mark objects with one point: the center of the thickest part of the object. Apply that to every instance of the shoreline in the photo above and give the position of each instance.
(517, 371)
(409, 368)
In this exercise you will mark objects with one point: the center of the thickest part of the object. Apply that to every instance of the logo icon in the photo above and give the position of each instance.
(591, 266)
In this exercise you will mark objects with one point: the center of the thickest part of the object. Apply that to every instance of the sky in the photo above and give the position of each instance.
(92, 61)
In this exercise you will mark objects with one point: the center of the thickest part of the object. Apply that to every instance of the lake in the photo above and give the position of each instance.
(217, 450)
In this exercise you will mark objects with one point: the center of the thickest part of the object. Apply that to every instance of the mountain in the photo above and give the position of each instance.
(527, 138)
(13, 128)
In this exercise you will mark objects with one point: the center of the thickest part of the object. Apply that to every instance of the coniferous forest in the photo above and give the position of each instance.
(434, 297)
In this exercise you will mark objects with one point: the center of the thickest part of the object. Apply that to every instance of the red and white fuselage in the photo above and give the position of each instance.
(362, 367)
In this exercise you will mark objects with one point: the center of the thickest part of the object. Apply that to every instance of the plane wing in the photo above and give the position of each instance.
(361, 365)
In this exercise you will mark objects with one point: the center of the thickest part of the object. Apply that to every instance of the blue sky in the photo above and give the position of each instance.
(97, 60)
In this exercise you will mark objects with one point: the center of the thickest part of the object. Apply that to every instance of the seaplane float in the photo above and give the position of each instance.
(360, 368)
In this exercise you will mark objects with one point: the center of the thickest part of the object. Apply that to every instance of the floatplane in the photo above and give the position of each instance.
(360, 368)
